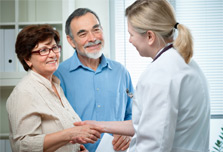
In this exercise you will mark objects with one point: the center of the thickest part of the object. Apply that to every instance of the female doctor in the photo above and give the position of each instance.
(171, 103)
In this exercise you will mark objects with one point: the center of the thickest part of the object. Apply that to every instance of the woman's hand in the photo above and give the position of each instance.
(85, 134)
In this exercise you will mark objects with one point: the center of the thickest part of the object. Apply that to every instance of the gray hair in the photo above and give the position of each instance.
(77, 13)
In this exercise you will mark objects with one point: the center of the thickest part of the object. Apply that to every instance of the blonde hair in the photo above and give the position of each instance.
(158, 16)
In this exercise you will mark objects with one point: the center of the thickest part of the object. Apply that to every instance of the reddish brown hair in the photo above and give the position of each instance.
(31, 36)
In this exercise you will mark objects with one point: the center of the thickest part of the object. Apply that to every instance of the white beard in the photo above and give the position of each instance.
(94, 55)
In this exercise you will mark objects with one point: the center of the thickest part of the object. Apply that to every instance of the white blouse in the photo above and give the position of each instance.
(34, 110)
(171, 108)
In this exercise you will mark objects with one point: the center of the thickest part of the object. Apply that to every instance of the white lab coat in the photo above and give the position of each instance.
(171, 108)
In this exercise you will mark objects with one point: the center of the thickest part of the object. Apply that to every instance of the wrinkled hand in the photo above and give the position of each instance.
(83, 149)
(121, 142)
(84, 134)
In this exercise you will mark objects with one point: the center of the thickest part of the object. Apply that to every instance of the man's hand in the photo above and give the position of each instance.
(121, 142)
(83, 149)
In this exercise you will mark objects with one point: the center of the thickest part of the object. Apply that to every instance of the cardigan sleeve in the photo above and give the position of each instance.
(25, 122)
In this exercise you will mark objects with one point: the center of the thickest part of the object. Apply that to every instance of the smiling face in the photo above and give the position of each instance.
(138, 41)
(44, 65)
(88, 36)
(147, 44)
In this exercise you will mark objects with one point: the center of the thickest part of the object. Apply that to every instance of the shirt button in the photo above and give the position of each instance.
(99, 106)
(97, 89)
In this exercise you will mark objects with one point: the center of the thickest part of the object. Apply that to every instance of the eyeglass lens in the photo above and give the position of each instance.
(46, 51)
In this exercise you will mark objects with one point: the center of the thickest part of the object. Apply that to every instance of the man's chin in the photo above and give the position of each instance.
(94, 55)
(91, 55)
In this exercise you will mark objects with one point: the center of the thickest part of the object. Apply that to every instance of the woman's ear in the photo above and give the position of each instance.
(150, 37)
(70, 41)
(29, 63)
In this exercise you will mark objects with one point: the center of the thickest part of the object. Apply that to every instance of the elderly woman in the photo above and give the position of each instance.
(40, 117)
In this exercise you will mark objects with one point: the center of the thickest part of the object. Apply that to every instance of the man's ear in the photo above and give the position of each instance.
(70, 41)
(150, 37)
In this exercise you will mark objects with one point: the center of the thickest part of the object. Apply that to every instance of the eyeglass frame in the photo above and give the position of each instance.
(50, 49)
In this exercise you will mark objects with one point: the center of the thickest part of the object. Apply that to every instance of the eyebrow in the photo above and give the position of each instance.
(95, 26)
(82, 31)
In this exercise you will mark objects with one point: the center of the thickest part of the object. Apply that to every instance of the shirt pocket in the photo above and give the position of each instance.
(116, 104)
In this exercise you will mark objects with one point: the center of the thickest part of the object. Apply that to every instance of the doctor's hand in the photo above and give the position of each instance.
(92, 123)
(121, 142)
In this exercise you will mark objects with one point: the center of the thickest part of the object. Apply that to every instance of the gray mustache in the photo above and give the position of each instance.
(92, 43)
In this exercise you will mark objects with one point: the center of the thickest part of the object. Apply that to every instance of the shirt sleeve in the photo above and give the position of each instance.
(159, 109)
(25, 122)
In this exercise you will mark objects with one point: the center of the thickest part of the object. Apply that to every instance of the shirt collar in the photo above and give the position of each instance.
(164, 49)
(76, 63)
(43, 80)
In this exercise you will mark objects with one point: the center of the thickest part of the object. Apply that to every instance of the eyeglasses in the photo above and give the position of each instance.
(46, 51)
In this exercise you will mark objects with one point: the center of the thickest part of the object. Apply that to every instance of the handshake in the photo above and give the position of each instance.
(85, 132)
(90, 131)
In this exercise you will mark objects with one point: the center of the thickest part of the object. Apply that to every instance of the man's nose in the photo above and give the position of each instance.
(91, 37)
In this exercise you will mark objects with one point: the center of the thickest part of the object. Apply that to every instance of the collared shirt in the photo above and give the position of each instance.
(97, 95)
(171, 107)
(34, 110)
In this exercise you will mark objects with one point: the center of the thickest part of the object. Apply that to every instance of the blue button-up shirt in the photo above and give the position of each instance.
(97, 95)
